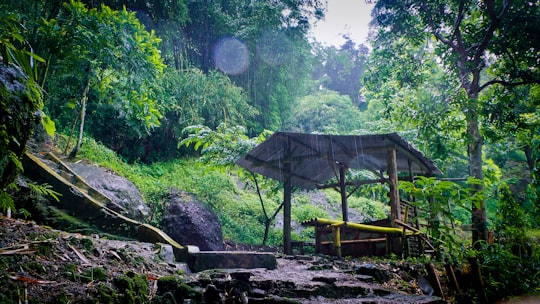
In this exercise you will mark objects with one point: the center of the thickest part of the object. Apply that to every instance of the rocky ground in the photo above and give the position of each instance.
(42, 265)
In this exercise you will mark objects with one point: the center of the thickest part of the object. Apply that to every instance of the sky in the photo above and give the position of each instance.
(343, 17)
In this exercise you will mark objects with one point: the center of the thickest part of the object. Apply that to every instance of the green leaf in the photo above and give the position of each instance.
(49, 125)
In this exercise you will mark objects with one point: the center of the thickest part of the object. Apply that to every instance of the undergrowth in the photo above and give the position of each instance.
(238, 209)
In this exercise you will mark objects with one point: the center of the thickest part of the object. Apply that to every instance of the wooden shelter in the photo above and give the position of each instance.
(318, 161)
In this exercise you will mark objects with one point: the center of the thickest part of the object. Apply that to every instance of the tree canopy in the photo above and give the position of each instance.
(477, 43)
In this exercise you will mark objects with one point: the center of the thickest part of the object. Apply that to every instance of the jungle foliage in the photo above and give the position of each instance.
(20, 101)
(147, 87)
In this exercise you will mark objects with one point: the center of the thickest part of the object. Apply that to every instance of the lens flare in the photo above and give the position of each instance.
(231, 56)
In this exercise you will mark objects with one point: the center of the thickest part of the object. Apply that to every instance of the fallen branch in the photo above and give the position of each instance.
(30, 280)
(16, 249)
(80, 255)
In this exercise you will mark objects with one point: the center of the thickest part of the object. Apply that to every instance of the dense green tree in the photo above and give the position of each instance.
(342, 69)
(167, 18)
(421, 106)
(190, 98)
(512, 126)
(102, 58)
(480, 43)
(327, 113)
(262, 45)
(223, 147)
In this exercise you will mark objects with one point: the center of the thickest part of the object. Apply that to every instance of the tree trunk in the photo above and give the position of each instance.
(530, 157)
(474, 147)
(84, 99)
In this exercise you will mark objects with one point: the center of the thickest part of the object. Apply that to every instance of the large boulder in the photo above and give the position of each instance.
(190, 222)
(125, 197)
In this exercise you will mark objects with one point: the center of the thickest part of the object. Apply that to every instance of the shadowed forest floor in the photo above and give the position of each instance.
(43, 265)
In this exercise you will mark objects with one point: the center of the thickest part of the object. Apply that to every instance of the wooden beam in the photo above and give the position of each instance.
(353, 183)
(410, 156)
(407, 226)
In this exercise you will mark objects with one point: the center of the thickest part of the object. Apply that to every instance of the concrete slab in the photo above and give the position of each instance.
(203, 260)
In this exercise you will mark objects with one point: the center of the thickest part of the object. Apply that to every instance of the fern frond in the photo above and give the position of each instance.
(44, 189)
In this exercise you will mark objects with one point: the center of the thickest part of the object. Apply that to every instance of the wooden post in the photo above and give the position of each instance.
(404, 241)
(395, 211)
(434, 280)
(287, 190)
(393, 185)
(318, 247)
(343, 191)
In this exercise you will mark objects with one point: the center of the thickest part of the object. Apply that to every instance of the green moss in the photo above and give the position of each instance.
(87, 244)
(132, 288)
(187, 291)
(71, 272)
(105, 294)
(94, 274)
(34, 267)
(44, 249)
(172, 288)
(167, 284)
(9, 290)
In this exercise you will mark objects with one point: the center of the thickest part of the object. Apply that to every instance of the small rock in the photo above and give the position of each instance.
(241, 275)
(257, 293)
(425, 285)
(166, 253)
(365, 278)
(379, 274)
(327, 280)
(303, 257)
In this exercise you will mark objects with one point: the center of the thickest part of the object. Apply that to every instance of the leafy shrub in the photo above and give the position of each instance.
(507, 274)
(436, 199)
(307, 212)
(371, 210)
(20, 100)
(510, 221)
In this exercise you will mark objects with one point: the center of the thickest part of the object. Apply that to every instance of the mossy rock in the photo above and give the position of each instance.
(172, 289)
(132, 288)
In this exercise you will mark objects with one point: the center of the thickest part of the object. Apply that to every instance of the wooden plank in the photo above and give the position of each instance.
(434, 280)
(407, 226)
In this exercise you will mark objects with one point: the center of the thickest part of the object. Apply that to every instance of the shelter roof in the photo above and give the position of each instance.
(314, 159)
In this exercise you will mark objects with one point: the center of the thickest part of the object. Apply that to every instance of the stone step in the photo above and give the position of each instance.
(203, 260)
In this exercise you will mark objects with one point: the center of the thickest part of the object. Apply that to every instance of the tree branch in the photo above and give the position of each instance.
(495, 20)
(259, 193)
(459, 18)
(509, 83)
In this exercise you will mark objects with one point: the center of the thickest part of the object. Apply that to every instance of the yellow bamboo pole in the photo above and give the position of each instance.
(364, 227)
(336, 231)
